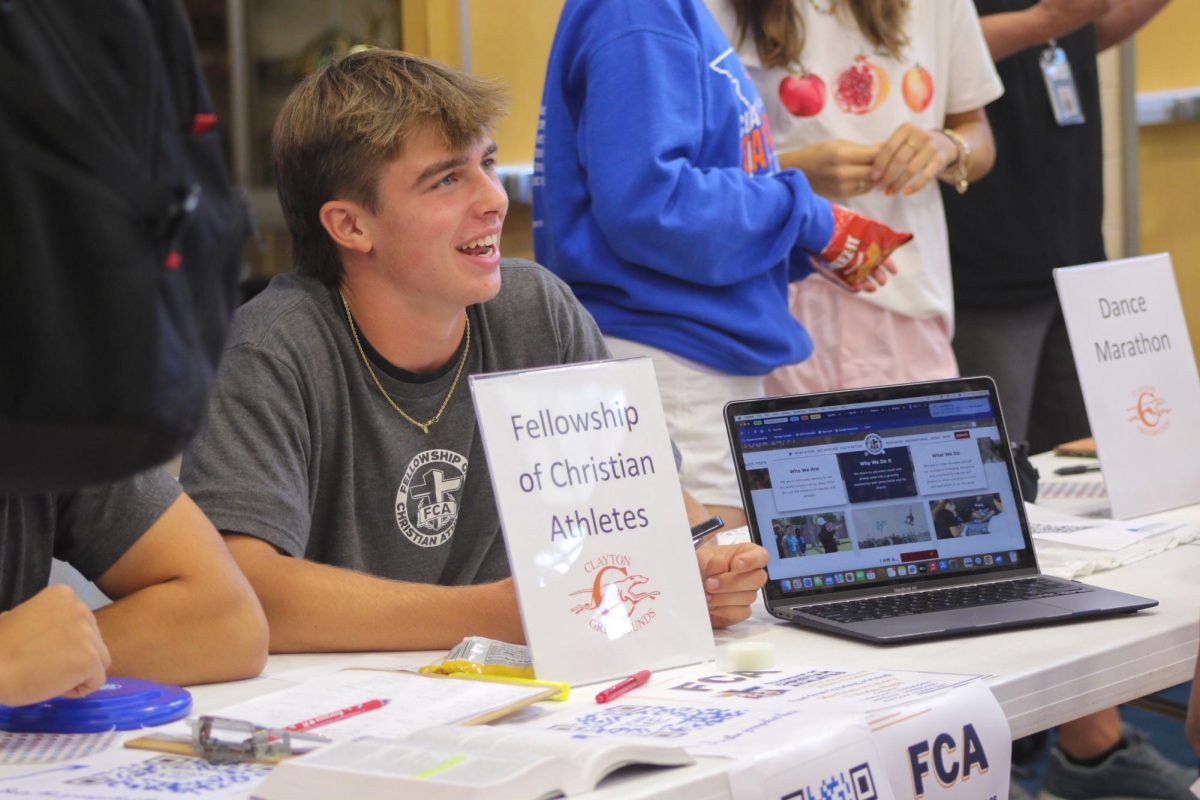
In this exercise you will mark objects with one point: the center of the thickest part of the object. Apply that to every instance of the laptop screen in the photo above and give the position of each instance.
(856, 490)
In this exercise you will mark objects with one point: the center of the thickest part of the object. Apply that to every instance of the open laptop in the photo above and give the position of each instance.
(893, 514)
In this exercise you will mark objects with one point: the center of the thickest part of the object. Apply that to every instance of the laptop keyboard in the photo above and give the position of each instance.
(933, 600)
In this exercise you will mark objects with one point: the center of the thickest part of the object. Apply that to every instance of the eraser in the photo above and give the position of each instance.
(741, 656)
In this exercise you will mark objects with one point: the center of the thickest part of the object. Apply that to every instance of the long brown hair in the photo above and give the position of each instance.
(778, 27)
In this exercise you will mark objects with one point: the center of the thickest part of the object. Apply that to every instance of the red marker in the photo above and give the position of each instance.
(616, 690)
(336, 716)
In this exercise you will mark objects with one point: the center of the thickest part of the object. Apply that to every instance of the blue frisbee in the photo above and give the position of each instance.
(121, 704)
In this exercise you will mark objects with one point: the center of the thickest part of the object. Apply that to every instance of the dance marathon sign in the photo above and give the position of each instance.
(1139, 379)
(588, 492)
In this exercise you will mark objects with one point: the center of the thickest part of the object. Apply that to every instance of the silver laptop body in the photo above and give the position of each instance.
(893, 514)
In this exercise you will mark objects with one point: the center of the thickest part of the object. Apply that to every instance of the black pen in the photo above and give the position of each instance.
(701, 531)
(1077, 469)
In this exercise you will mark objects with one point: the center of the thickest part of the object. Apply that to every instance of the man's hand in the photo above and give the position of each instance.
(50, 646)
(732, 574)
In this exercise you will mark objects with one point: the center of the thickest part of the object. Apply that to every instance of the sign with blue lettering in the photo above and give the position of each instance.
(592, 513)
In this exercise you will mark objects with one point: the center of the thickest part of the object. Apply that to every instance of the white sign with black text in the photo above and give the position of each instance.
(1139, 379)
(593, 518)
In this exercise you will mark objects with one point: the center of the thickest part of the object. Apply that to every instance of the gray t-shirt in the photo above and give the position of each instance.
(90, 529)
(302, 450)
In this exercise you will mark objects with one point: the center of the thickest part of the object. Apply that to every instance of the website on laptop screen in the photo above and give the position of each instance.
(880, 492)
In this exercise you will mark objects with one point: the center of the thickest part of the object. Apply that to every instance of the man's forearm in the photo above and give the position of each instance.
(185, 632)
(1123, 20)
(184, 613)
(315, 607)
(1013, 31)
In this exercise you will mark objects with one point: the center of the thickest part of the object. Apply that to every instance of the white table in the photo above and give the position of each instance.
(1041, 676)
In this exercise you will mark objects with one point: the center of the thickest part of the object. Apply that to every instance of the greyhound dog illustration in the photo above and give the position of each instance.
(607, 592)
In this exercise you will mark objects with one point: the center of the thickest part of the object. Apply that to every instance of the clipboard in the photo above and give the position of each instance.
(233, 739)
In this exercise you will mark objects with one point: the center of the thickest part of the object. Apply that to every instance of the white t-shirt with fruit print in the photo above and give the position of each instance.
(845, 89)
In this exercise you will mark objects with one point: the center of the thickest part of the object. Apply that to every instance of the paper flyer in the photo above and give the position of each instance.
(748, 713)
(957, 745)
(136, 775)
(817, 732)
(845, 763)
(597, 536)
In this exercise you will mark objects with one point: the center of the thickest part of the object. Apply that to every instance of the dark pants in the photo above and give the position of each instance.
(1026, 350)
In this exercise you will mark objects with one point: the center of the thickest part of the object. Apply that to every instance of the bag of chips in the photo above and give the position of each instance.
(858, 247)
(481, 656)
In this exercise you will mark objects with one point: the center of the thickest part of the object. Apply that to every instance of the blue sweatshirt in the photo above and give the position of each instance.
(657, 193)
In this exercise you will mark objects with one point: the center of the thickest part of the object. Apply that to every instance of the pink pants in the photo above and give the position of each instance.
(857, 343)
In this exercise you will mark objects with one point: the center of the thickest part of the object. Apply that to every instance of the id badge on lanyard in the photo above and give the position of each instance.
(1060, 85)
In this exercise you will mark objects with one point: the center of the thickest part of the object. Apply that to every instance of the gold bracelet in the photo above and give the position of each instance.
(957, 169)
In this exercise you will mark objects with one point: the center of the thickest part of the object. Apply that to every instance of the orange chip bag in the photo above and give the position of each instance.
(858, 247)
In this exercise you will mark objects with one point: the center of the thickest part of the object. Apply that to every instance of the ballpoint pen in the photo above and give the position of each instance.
(701, 530)
(336, 716)
(1077, 469)
(618, 689)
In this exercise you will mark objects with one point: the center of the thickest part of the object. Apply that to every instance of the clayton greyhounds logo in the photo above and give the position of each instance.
(614, 595)
(430, 496)
(1149, 412)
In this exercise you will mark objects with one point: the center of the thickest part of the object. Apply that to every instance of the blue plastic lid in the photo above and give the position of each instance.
(120, 704)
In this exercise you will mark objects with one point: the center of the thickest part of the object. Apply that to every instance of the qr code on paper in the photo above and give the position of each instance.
(659, 722)
(856, 783)
(178, 775)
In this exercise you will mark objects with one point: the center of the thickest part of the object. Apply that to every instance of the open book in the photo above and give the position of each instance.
(445, 762)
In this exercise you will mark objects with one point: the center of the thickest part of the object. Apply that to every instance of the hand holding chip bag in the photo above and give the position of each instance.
(858, 251)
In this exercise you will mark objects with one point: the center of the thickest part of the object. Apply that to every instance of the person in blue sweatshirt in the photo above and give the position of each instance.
(659, 199)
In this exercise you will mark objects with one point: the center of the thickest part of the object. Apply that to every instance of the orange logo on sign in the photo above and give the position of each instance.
(613, 597)
(1149, 412)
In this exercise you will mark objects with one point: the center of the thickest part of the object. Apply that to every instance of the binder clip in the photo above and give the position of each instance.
(221, 740)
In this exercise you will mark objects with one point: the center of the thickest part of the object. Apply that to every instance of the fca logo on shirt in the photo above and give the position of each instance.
(429, 496)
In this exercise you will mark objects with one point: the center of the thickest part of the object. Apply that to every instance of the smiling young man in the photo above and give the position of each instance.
(341, 415)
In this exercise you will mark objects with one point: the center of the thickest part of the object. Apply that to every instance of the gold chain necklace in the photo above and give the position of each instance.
(462, 363)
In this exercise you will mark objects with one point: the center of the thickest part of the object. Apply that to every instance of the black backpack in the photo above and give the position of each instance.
(121, 240)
